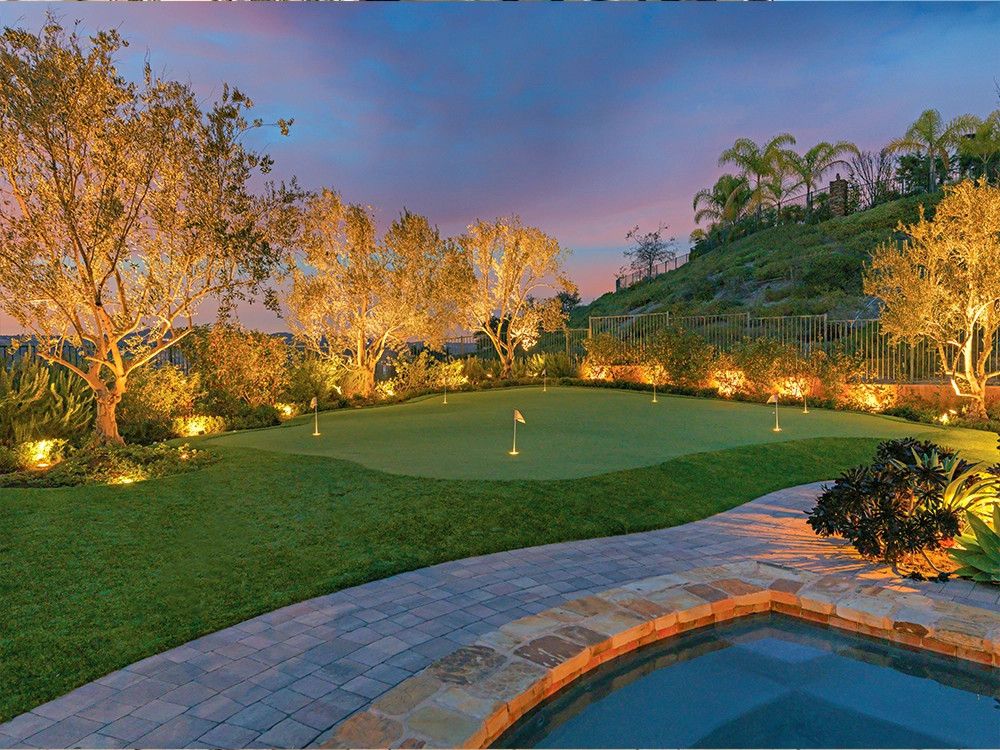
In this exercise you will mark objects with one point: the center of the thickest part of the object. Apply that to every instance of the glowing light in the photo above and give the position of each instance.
(284, 410)
(943, 419)
(191, 426)
(729, 382)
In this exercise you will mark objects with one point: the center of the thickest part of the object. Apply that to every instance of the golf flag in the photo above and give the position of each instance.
(544, 373)
(773, 400)
(312, 404)
(518, 417)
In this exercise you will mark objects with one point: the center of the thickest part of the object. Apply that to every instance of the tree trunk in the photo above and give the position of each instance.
(106, 426)
(507, 357)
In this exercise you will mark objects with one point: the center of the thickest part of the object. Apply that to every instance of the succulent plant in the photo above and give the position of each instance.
(981, 554)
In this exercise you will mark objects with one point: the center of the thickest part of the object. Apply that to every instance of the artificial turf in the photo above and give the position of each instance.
(569, 432)
(97, 577)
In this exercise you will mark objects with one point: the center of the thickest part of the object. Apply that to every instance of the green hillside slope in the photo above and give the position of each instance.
(788, 270)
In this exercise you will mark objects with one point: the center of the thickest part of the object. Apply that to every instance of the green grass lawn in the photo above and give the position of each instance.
(97, 577)
(569, 432)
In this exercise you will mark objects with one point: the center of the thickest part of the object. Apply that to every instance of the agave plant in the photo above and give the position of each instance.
(980, 557)
(948, 482)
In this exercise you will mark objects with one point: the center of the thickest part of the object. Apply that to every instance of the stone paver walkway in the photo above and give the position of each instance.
(286, 679)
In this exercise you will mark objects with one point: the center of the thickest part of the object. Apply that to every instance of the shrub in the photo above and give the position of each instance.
(678, 357)
(894, 507)
(477, 369)
(238, 368)
(604, 351)
(113, 465)
(979, 554)
(156, 396)
(555, 365)
(426, 372)
(312, 377)
(39, 401)
(253, 418)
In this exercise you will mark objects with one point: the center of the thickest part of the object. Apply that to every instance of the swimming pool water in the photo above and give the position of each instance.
(771, 681)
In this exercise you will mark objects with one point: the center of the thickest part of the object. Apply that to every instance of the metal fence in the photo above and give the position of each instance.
(10, 353)
(569, 341)
(670, 264)
(880, 359)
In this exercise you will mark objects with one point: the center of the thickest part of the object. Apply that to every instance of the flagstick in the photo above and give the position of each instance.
(316, 418)
(654, 392)
(776, 427)
(805, 405)
(545, 383)
(446, 391)
(514, 452)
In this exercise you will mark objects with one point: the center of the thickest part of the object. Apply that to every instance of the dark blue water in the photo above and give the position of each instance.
(772, 681)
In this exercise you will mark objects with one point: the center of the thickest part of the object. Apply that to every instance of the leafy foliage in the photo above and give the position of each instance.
(895, 506)
(42, 402)
(113, 465)
(979, 554)
(679, 357)
(238, 369)
(122, 206)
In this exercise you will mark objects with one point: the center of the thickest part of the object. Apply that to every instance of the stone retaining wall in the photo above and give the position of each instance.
(469, 698)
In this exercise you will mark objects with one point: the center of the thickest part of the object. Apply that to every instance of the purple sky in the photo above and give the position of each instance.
(584, 119)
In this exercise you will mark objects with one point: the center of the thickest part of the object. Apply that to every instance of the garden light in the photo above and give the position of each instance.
(315, 406)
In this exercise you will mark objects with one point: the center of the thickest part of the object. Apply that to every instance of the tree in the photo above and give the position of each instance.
(648, 249)
(724, 203)
(568, 301)
(816, 162)
(871, 173)
(509, 263)
(757, 162)
(930, 135)
(944, 284)
(356, 295)
(122, 207)
(983, 144)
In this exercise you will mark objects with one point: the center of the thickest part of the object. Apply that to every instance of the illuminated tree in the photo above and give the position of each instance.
(930, 135)
(511, 264)
(944, 284)
(357, 295)
(983, 144)
(122, 207)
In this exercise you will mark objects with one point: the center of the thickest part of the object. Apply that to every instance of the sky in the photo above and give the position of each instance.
(585, 119)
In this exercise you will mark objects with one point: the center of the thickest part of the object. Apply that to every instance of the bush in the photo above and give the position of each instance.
(253, 418)
(678, 357)
(9, 461)
(426, 372)
(39, 402)
(312, 377)
(237, 368)
(156, 396)
(113, 465)
(894, 507)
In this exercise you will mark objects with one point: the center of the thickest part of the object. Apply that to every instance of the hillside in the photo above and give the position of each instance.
(788, 270)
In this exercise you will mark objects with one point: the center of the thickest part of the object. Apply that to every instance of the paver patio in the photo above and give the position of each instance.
(288, 678)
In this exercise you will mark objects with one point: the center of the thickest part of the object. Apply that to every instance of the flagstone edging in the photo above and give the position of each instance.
(470, 697)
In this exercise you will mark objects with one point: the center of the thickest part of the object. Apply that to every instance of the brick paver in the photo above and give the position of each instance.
(287, 678)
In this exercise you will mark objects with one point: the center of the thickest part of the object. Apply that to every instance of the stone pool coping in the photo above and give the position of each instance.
(472, 696)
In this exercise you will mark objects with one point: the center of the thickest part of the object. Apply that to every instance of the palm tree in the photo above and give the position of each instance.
(984, 142)
(782, 182)
(929, 134)
(817, 161)
(756, 162)
(724, 203)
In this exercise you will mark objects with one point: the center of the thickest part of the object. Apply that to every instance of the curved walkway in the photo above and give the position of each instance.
(288, 678)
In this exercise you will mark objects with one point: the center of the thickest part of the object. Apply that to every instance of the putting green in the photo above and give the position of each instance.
(569, 432)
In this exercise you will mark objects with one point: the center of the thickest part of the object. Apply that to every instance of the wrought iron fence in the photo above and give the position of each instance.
(670, 264)
(880, 359)
(76, 357)
(569, 341)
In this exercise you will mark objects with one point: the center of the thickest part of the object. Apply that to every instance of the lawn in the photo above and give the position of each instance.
(95, 578)
(569, 432)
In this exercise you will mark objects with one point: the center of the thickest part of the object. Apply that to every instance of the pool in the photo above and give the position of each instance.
(771, 681)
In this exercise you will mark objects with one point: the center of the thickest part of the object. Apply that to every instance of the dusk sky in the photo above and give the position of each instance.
(584, 119)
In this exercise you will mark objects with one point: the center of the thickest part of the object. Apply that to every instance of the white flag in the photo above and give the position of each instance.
(518, 417)
(773, 400)
(312, 404)
(543, 373)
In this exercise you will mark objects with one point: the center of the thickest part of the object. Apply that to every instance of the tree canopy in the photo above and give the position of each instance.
(123, 206)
